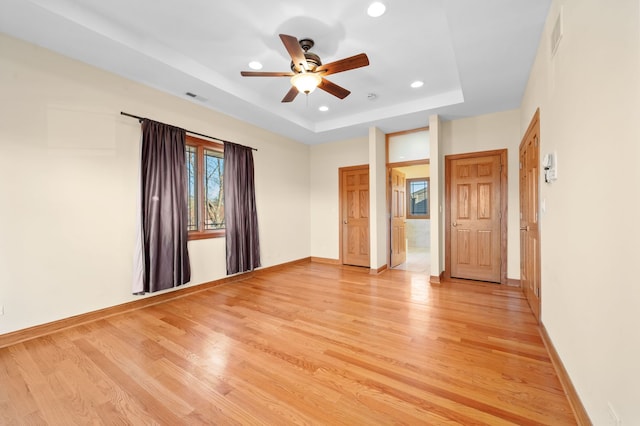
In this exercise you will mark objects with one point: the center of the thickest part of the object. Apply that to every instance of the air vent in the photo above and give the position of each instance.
(196, 97)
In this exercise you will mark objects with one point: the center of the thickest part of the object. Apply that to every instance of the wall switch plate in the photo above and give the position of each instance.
(1, 309)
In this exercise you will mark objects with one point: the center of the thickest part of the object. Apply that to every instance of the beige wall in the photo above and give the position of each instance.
(69, 166)
(589, 100)
(379, 241)
(490, 132)
(326, 160)
(417, 171)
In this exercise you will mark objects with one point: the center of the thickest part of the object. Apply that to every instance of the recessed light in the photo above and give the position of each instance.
(417, 84)
(255, 65)
(323, 108)
(376, 9)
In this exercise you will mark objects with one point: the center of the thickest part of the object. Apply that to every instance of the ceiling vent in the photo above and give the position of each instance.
(196, 97)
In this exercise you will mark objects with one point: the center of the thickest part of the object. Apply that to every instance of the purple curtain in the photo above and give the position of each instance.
(241, 219)
(165, 258)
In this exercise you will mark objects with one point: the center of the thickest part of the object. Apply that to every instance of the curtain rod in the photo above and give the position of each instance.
(188, 131)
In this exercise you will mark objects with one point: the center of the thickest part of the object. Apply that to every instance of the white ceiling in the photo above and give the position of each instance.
(474, 56)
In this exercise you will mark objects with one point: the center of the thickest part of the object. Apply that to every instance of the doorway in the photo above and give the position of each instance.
(476, 219)
(408, 156)
(410, 224)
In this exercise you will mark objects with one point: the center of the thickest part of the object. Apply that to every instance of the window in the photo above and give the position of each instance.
(418, 198)
(205, 171)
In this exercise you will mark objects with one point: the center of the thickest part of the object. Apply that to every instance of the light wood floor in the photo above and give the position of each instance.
(309, 344)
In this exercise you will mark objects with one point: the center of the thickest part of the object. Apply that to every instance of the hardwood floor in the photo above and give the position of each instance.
(307, 344)
(418, 260)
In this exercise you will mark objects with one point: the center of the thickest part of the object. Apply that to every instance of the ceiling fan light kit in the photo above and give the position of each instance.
(306, 82)
(307, 70)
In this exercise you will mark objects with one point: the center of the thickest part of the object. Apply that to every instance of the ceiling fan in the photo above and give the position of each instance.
(307, 70)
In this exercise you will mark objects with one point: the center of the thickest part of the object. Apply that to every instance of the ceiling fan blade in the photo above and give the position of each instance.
(291, 95)
(346, 64)
(295, 51)
(265, 74)
(333, 88)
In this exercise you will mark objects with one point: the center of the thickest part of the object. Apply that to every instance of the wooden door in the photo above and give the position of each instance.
(475, 206)
(398, 218)
(354, 202)
(529, 230)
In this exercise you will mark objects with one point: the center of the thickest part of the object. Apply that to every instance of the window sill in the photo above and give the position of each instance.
(202, 235)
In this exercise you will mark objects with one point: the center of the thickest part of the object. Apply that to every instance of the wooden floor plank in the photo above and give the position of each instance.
(308, 343)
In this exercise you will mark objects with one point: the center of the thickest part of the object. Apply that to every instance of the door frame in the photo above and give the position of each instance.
(503, 209)
(535, 303)
(341, 205)
(389, 190)
(388, 179)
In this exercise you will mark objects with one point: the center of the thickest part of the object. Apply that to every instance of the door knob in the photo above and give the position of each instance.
(524, 228)
(345, 221)
(454, 224)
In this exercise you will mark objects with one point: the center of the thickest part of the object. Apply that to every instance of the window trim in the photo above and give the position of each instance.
(418, 216)
(201, 145)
